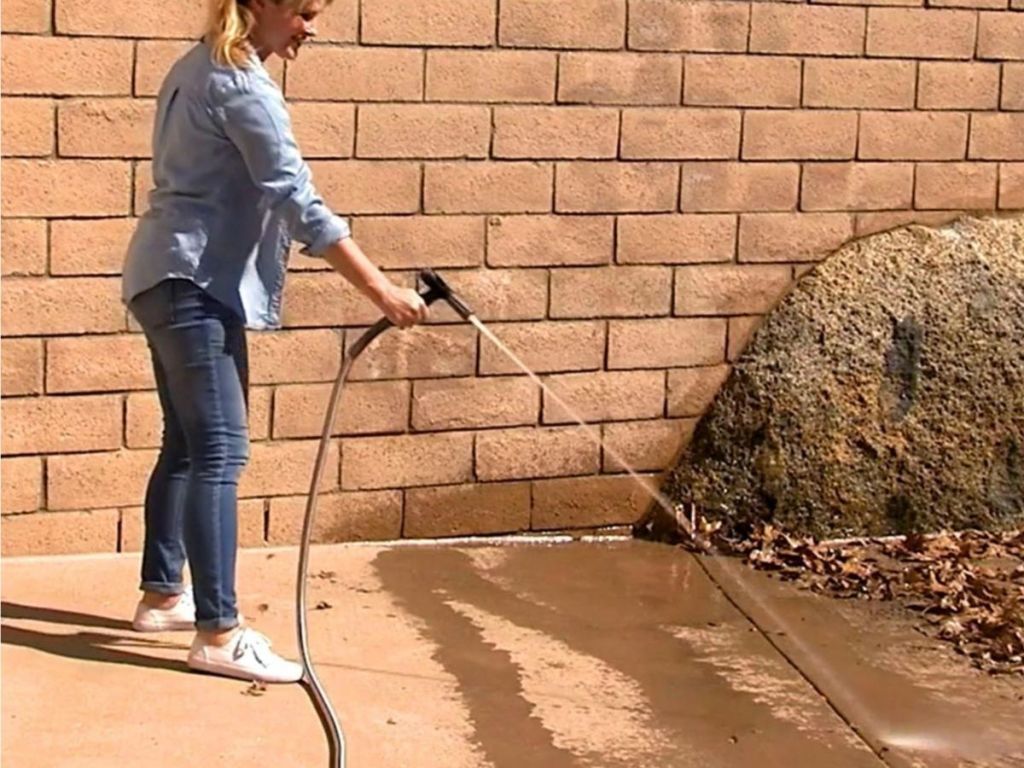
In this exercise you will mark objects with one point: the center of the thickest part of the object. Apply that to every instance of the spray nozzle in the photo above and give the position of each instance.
(436, 288)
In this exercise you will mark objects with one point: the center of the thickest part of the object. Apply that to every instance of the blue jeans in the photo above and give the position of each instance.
(200, 361)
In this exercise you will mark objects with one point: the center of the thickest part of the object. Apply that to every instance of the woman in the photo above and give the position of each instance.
(208, 260)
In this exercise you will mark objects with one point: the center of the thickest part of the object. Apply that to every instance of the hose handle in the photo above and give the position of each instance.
(436, 288)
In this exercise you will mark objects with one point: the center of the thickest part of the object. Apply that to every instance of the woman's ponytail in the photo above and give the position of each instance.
(230, 24)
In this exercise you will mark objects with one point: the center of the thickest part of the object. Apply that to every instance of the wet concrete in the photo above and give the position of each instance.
(646, 663)
(907, 694)
(573, 655)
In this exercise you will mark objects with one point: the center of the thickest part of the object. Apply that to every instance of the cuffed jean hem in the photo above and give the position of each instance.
(162, 587)
(214, 625)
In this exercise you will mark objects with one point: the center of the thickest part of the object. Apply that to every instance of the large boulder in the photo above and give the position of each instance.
(884, 395)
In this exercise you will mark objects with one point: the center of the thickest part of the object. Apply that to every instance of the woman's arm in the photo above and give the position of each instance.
(402, 306)
(256, 120)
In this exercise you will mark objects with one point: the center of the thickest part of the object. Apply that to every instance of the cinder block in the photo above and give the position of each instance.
(491, 76)
(106, 127)
(549, 241)
(736, 186)
(1000, 35)
(956, 186)
(371, 407)
(89, 246)
(98, 363)
(855, 186)
(727, 289)
(32, 16)
(997, 136)
(407, 460)
(22, 368)
(511, 454)
(555, 132)
(665, 342)
(329, 73)
(98, 480)
(688, 25)
(423, 131)
(806, 29)
(689, 133)
(467, 510)
(688, 238)
(548, 347)
(428, 22)
(475, 403)
(814, 134)
(52, 533)
(66, 66)
(42, 425)
(354, 516)
(28, 127)
(604, 396)
(23, 247)
(611, 292)
(53, 188)
(958, 85)
(126, 18)
(38, 306)
(913, 136)
(556, 24)
(859, 83)
(285, 467)
(923, 33)
(645, 446)
(620, 78)
(742, 81)
(21, 484)
(589, 501)
(488, 187)
(691, 390)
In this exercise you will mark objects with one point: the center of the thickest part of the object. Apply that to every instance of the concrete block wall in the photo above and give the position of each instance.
(621, 188)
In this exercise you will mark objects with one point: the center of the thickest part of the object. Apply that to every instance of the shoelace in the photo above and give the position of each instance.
(250, 640)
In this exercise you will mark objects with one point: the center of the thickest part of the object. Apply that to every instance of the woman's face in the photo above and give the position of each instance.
(282, 27)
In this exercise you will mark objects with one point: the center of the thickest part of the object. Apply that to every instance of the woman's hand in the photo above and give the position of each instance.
(402, 306)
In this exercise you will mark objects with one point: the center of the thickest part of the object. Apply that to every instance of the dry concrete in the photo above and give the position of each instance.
(570, 655)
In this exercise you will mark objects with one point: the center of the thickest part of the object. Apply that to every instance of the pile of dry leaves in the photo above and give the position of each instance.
(968, 585)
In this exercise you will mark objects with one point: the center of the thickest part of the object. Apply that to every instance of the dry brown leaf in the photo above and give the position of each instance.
(969, 585)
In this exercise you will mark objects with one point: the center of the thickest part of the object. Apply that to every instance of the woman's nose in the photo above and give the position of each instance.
(309, 29)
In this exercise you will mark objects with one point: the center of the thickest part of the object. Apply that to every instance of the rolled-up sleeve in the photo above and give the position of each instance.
(256, 121)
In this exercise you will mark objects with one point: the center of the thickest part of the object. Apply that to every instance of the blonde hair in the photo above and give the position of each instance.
(231, 23)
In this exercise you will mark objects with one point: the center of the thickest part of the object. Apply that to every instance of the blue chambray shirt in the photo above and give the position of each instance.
(231, 191)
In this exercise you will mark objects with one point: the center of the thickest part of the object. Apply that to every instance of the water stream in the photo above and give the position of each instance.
(847, 704)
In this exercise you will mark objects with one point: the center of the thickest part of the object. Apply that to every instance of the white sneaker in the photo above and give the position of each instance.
(246, 656)
(182, 615)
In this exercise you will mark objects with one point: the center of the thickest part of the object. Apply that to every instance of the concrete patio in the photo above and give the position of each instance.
(507, 655)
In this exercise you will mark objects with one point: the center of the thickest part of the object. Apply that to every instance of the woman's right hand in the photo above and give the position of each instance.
(404, 307)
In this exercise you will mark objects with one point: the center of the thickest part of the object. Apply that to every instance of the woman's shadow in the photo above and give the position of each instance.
(82, 645)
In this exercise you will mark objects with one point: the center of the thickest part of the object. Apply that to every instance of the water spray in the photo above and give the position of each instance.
(849, 707)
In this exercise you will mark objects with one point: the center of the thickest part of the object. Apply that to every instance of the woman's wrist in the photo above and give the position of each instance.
(378, 288)
(348, 258)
